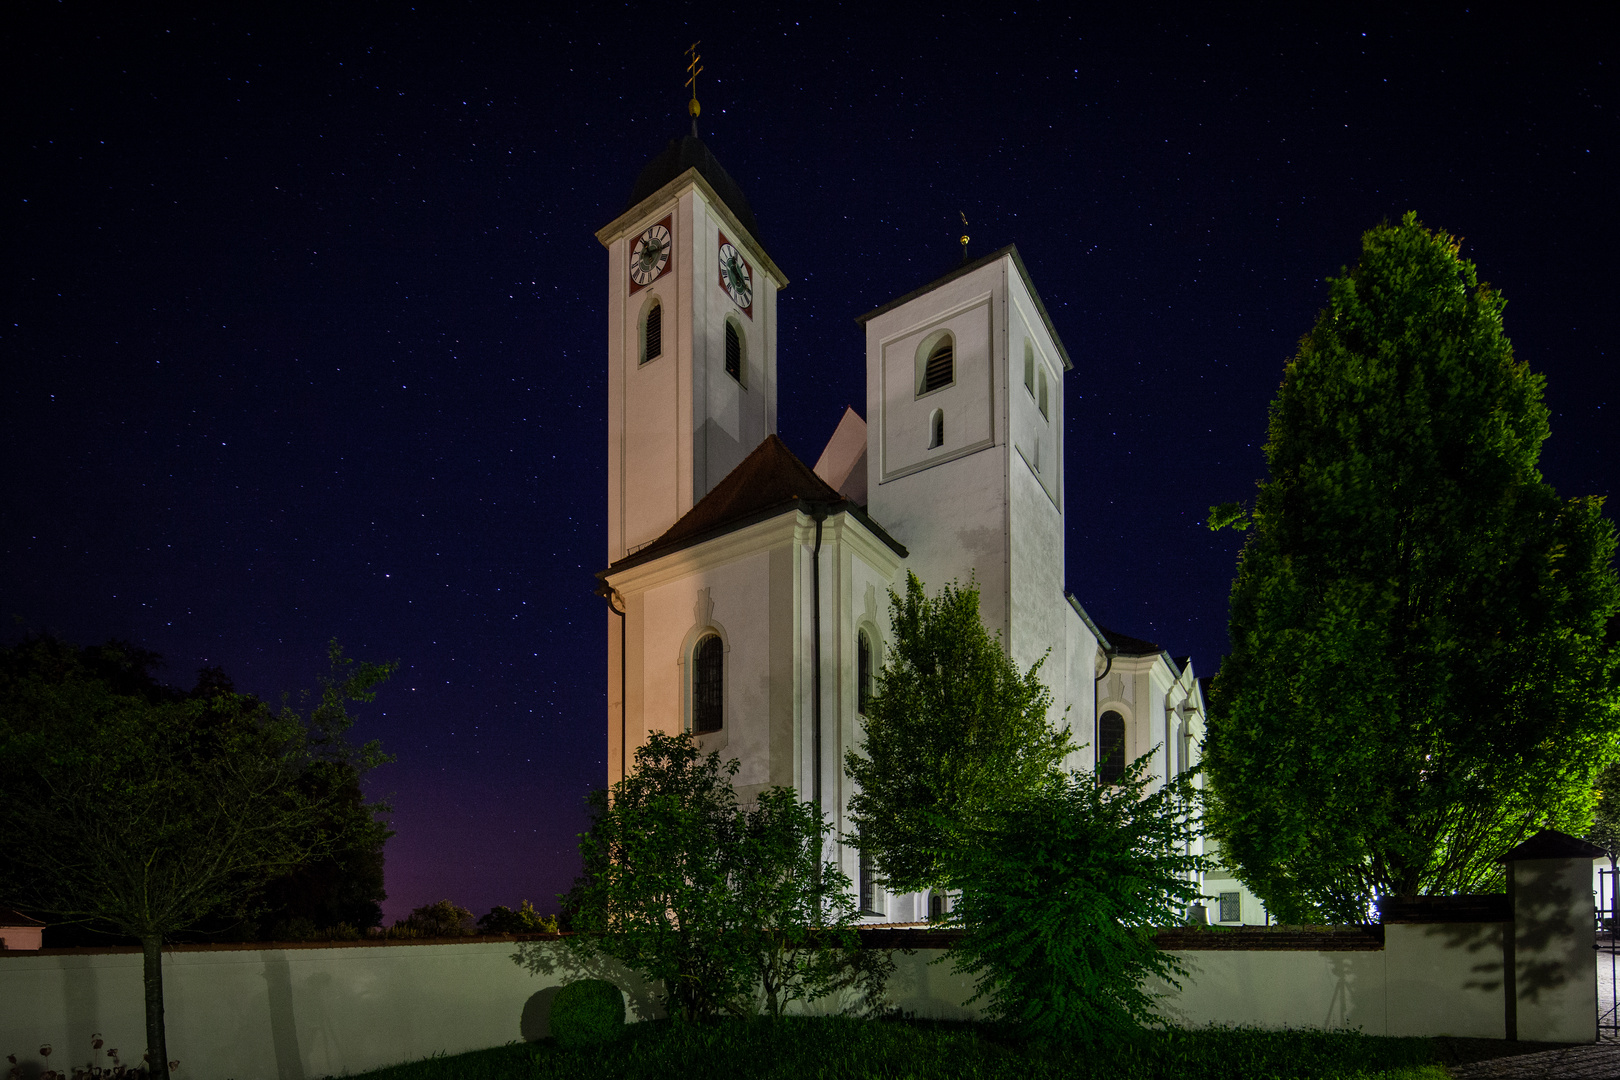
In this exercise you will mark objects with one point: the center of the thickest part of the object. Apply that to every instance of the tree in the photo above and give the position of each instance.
(1605, 830)
(798, 913)
(1422, 667)
(525, 920)
(1060, 894)
(443, 919)
(708, 898)
(129, 804)
(343, 890)
(953, 731)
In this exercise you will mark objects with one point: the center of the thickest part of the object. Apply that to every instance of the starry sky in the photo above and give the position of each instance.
(304, 322)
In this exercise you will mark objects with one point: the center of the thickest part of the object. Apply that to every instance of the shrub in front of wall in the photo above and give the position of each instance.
(587, 1013)
(525, 920)
(444, 919)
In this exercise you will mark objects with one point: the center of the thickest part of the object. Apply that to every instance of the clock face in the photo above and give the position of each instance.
(736, 276)
(649, 255)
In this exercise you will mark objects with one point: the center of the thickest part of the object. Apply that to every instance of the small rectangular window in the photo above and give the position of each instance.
(1231, 907)
(871, 894)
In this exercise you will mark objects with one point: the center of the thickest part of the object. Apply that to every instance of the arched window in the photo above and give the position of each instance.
(1044, 411)
(936, 363)
(734, 351)
(1110, 747)
(708, 683)
(936, 905)
(1029, 368)
(936, 429)
(863, 671)
(652, 333)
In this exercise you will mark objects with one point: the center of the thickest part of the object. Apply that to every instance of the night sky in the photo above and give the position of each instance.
(303, 329)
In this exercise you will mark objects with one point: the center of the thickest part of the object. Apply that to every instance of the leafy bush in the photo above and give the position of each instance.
(525, 920)
(587, 1012)
(717, 902)
(1060, 895)
(299, 928)
(443, 919)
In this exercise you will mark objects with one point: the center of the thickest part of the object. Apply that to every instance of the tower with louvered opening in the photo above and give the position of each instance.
(965, 443)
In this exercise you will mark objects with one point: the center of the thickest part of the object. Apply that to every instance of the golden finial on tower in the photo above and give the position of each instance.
(694, 66)
(964, 235)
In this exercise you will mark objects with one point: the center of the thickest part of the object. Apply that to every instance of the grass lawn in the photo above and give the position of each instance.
(804, 1048)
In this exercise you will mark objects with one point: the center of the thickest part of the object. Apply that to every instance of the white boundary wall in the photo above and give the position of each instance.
(305, 1012)
(293, 1013)
(1429, 979)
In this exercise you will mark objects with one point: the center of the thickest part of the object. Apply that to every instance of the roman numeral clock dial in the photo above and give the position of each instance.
(736, 276)
(649, 255)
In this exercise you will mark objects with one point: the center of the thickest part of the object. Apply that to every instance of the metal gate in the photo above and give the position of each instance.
(1608, 955)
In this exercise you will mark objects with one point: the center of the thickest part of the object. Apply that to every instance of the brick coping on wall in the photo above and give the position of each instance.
(903, 936)
(899, 936)
(1274, 938)
(250, 946)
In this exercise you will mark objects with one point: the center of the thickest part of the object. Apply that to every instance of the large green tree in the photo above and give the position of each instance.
(1422, 667)
(130, 805)
(953, 731)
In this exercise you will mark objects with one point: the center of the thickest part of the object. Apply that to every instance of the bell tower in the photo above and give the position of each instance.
(691, 341)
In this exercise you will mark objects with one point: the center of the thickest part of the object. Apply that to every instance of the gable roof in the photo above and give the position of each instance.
(1552, 844)
(1125, 645)
(968, 268)
(769, 481)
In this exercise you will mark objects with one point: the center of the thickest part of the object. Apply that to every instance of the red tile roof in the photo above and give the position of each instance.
(770, 480)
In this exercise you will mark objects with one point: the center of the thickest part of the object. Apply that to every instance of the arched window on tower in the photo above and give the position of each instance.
(708, 684)
(1029, 368)
(652, 333)
(1044, 412)
(734, 351)
(1110, 747)
(936, 429)
(863, 671)
(938, 364)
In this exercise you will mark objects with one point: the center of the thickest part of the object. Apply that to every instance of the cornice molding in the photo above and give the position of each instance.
(677, 187)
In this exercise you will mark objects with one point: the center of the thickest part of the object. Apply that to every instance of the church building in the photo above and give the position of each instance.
(749, 590)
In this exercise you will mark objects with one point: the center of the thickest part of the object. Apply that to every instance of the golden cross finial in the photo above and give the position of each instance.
(964, 235)
(694, 66)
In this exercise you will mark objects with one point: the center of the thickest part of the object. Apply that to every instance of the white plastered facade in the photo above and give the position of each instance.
(962, 481)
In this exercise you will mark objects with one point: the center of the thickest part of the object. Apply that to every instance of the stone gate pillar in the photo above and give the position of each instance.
(1551, 963)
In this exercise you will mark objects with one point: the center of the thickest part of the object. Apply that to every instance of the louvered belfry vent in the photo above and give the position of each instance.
(655, 334)
(941, 367)
(733, 352)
